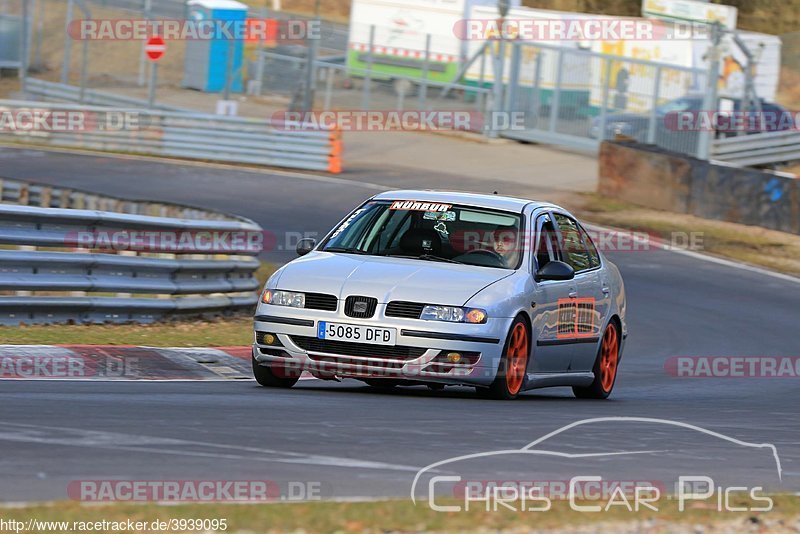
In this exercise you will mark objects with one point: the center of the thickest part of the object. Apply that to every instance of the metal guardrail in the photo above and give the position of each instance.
(61, 92)
(175, 9)
(46, 196)
(758, 149)
(222, 281)
(189, 135)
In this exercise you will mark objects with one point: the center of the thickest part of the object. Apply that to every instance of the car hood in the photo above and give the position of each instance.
(387, 279)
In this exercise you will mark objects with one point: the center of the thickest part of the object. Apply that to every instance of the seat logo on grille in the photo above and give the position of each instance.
(360, 307)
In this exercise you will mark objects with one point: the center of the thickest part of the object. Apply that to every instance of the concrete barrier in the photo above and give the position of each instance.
(650, 176)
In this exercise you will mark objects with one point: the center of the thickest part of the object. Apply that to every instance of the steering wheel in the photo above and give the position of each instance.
(489, 254)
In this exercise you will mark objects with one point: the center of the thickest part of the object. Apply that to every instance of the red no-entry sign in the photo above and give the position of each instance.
(155, 48)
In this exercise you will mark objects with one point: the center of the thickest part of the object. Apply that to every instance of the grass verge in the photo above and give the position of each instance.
(403, 516)
(220, 333)
(778, 251)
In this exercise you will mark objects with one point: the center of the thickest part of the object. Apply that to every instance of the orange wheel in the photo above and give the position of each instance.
(609, 358)
(513, 365)
(517, 358)
(605, 367)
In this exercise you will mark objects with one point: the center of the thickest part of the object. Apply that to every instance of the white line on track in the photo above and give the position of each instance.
(700, 256)
(27, 433)
(266, 170)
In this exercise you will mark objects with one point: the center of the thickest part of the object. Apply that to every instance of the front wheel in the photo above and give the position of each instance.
(605, 367)
(275, 375)
(513, 365)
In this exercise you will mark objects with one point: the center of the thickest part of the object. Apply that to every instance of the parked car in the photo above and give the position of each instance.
(670, 131)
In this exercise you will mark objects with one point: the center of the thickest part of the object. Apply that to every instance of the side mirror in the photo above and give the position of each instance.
(555, 270)
(304, 246)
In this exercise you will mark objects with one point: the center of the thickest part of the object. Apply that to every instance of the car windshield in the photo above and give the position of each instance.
(430, 231)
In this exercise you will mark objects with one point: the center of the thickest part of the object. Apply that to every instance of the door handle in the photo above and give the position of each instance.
(573, 294)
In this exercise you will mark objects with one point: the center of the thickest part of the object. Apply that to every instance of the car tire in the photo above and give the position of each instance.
(272, 376)
(605, 367)
(513, 365)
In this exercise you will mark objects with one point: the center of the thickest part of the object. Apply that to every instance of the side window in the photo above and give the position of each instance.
(575, 252)
(594, 257)
(546, 245)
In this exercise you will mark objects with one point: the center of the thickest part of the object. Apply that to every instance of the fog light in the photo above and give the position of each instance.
(269, 339)
(453, 357)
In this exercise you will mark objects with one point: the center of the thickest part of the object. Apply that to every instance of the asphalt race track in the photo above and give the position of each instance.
(357, 442)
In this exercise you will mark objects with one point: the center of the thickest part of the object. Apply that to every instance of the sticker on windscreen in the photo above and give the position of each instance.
(447, 216)
(413, 205)
(346, 223)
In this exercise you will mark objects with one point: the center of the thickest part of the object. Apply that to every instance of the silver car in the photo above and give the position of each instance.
(440, 288)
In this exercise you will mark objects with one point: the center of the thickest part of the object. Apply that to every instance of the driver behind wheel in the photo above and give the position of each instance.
(505, 243)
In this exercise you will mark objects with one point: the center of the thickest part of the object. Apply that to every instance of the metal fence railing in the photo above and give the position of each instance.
(578, 97)
(770, 148)
(64, 268)
(184, 135)
(24, 193)
(60, 92)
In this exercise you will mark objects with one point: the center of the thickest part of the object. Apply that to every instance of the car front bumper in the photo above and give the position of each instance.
(413, 358)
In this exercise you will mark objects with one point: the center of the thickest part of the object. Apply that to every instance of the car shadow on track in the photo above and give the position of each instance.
(560, 394)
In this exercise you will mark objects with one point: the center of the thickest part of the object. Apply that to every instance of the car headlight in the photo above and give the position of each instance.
(453, 314)
(284, 298)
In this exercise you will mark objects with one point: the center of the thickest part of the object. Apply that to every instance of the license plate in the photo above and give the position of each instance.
(357, 333)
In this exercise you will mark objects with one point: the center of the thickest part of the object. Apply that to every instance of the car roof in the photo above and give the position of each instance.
(492, 201)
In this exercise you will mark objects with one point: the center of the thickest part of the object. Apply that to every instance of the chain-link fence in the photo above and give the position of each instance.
(579, 97)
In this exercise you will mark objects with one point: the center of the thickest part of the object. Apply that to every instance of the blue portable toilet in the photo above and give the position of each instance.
(206, 61)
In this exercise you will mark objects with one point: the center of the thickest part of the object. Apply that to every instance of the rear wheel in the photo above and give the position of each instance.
(605, 367)
(513, 365)
(275, 375)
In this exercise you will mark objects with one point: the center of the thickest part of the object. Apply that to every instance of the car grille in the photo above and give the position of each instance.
(360, 307)
(321, 301)
(363, 350)
(355, 362)
(408, 310)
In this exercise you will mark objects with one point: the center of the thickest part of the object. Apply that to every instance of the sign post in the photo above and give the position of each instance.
(154, 49)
